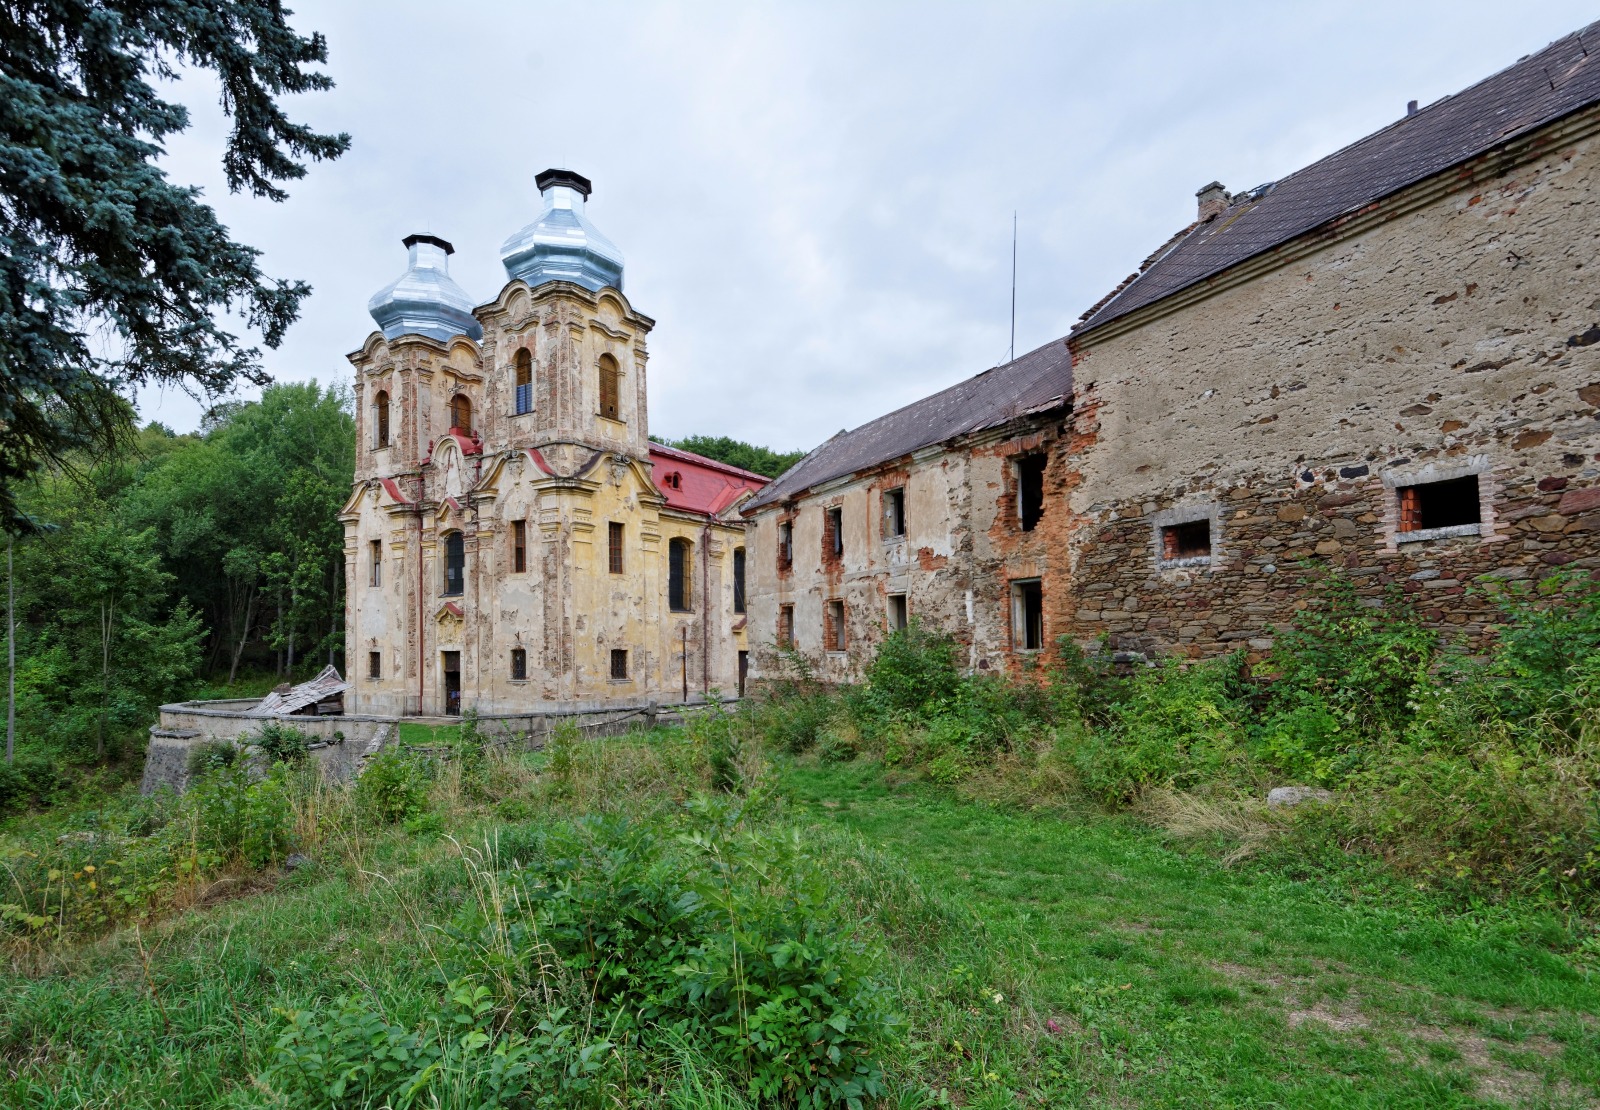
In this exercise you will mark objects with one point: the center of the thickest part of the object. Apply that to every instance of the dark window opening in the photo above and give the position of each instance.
(673, 480)
(455, 564)
(1189, 540)
(738, 580)
(898, 612)
(678, 576)
(519, 663)
(894, 512)
(832, 533)
(519, 546)
(619, 662)
(1447, 504)
(785, 545)
(1027, 615)
(615, 533)
(524, 381)
(461, 414)
(744, 670)
(1030, 490)
(786, 626)
(380, 408)
(610, 389)
(833, 630)
(375, 574)
(375, 665)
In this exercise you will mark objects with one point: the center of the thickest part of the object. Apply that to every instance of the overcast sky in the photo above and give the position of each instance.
(815, 200)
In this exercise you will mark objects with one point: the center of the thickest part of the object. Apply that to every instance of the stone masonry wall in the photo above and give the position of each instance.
(1459, 337)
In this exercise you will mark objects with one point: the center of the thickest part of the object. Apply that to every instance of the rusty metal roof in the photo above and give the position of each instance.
(325, 685)
(1538, 90)
(1039, 380)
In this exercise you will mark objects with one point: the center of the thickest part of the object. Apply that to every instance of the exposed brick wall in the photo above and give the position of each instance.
(1460, 336)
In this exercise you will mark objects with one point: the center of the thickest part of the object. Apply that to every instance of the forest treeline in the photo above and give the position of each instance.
(179, 561)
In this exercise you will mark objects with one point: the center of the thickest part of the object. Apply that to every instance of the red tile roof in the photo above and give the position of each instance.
(703, 485)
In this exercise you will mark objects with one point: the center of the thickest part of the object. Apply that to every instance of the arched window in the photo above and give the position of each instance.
(380, 417)
(738, 580)
(461, 414)
(524, 381)
(455, 564)
(610, 388)
(678, 566)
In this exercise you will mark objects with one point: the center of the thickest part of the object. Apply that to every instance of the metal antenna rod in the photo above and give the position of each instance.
(1013, 355)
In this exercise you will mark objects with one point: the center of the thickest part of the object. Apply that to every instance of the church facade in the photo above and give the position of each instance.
(514, 539)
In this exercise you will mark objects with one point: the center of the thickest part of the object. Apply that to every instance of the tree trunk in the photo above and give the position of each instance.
(107, 616)
(244, 636)
(11, 655)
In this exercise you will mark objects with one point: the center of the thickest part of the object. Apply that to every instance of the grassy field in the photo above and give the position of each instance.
(1176, 982)
(1039, 959)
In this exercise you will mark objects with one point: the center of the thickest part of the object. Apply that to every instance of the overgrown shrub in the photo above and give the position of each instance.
(281, 743)
(393, 787)
(242, 819)
(726, 938)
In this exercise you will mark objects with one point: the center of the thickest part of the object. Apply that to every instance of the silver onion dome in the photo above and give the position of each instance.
(425, 300)
(562, 245)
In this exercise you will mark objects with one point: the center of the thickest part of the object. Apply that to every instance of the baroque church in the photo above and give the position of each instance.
(514, 538)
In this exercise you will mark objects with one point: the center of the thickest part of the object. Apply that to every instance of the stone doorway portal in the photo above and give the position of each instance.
(452, 683)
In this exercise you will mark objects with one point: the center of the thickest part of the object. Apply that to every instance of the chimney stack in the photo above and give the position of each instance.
(1213, 201)
(1411, 107)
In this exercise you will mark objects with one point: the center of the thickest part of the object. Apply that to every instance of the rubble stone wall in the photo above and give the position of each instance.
(1457, 336)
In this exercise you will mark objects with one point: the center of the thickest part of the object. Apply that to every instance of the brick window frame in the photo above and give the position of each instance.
(785, 545)
(835, 626)
(1407, 509)
(832, 534)
(784, 636)
(1027, 615)
(1173, 540)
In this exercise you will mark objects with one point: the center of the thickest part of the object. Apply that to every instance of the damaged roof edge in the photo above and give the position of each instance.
(1036, 382)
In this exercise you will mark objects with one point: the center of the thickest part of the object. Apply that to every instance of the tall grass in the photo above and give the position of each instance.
(1479, 773)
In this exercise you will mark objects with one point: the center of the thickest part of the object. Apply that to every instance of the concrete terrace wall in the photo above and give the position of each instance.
(1461, 336)
(340, 741)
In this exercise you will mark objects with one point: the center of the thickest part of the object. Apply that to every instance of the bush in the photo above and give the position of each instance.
(239, 819)
(281, 743)
(725, 939)
(393, 787)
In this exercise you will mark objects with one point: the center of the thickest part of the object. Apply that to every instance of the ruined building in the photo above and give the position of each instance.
(1387, 362)
(514, 539)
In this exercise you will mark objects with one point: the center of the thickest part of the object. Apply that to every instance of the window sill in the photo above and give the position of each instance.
(1026, 651)
(1181, 564)
(518, 681)
(685, 612)
(1447, 533)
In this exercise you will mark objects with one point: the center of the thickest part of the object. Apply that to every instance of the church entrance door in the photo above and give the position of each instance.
(452, 683)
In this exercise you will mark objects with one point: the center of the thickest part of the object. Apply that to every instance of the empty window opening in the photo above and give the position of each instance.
(898, 612)
(619, 662)
(1448, 504)
(461, 414)
(672, 480)
(785, 544)
(375, 563)
(738, 580)
(833, 631)
(610, 389)
(380, 417)
(894, 512)
(615, 533)
(744, 670)
(374, 665)
(1030, 490)
(1027, 615)
(832, 533)
(519, 663)
(1189, 540)
(786, 626)
(524, 379)
(519, 546)
(678, 576)
(455, 564)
